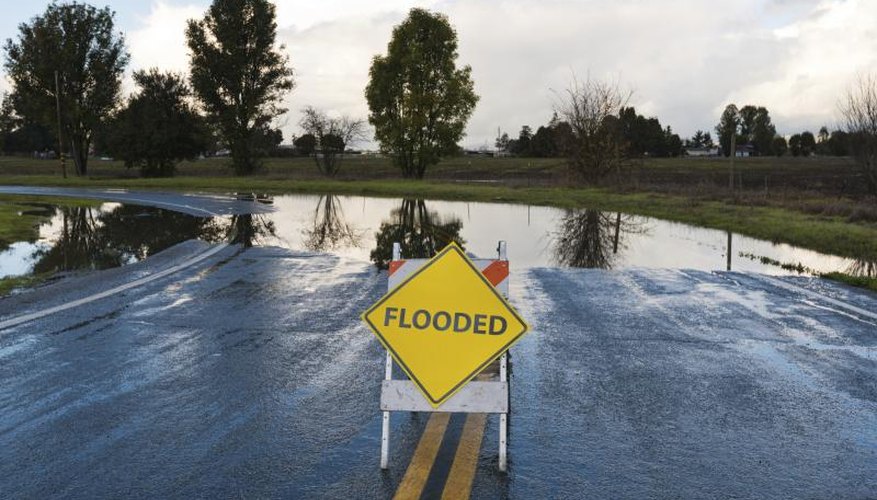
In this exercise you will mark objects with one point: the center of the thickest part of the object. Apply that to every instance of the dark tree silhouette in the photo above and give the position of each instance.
(422, 233)
(330, 230)
(592, 239)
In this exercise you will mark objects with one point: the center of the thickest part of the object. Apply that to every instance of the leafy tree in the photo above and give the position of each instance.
(808, 143)
(305, 144)
(728, 124)
(698, 140)
(239, 75)
(779, 146)
(269, 139)
(755, 128)
(81, 44)
(159, 127)
(543, 144)
(838, 143)
(419, 100)
(331, 137)
(795, 145)
(521, 145)
(646, 136)
(7, 120)
(762, 132)
(502, 142)
(708, 140)
(673, 143)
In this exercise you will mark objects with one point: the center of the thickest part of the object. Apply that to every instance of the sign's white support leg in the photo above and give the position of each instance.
(385, 427)
(388, 375)
(503, 421)
(502, 251)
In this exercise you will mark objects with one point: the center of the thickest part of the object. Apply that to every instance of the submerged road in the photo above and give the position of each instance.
(249, 374)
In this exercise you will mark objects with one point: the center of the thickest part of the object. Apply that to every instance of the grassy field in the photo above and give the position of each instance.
(807, 202)
(813, 203)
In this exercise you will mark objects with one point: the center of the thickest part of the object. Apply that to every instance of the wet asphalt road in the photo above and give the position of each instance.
(250, 375)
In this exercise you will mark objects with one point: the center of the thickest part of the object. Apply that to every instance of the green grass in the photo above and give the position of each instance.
(15, 226)
(7, 285)
(857, 281)
(18, 226)
(827, 234)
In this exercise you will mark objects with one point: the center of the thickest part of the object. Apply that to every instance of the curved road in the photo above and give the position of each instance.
(248, 374)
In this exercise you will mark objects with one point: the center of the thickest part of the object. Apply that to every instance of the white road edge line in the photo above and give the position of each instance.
(818, 296)
(13, 322)
(27, 318)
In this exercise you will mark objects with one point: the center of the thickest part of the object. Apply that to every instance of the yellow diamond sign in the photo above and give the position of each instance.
(444, 324)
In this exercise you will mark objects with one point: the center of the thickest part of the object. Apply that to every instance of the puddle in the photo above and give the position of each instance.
(364, 228)
(111, 235)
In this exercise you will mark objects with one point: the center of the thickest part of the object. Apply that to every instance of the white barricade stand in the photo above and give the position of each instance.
(478, 396)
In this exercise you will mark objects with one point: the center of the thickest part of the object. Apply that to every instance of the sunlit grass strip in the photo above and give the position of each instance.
(858, 281)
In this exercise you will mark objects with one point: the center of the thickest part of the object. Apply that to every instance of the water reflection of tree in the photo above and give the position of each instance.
(79, 246)
(590, 238)
(330, 229)
(863, 269)
(421, 233)
(250, 229)
(92, 239)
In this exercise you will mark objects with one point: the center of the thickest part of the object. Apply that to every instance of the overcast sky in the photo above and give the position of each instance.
(684, 60)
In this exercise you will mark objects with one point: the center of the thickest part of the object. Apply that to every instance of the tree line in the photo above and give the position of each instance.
(642, 137)
(66, 67)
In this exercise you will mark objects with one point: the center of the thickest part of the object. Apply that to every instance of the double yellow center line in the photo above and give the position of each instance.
(459, 482)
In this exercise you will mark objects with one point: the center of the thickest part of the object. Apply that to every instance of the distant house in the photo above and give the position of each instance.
(702, 151)
(745, 151)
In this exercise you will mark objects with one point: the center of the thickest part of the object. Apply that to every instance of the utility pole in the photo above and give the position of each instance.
(60, 138)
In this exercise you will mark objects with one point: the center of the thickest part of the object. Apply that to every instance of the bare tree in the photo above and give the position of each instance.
(859, 110)
(332, 136)
(593, 143)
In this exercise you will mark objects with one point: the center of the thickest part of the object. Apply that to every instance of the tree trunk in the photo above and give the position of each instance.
(241, 154)
(79, 152)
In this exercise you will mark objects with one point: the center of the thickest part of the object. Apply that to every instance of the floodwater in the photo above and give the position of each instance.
(365, 228)
(110, 235)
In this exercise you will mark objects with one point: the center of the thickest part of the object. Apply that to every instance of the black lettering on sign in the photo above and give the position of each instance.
(480, 324)
(421, 319)
(498, 325)
(442, 321)
(402, 323)
(389, 315)
(459, 325)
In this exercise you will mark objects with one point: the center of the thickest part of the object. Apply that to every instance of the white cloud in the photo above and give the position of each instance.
(160, 39)
(825, 51)
(685, 59)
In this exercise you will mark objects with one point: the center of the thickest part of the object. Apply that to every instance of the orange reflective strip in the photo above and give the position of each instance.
(395, 265)
(496, 272)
